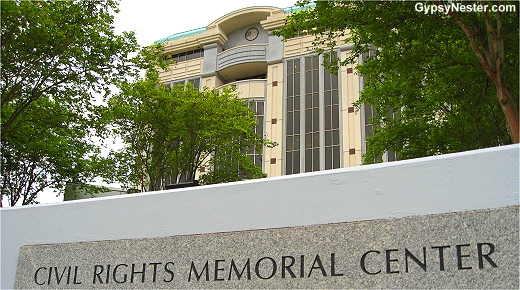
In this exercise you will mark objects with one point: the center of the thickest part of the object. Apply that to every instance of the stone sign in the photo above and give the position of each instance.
(472, 249)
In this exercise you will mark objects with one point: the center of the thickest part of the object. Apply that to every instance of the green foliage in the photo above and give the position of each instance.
(49, 148)
(56, 56)
(229, 163)
(171, 132)
(429, 91)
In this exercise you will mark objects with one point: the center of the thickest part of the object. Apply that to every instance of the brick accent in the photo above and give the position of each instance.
(202, 169)
(352, 151)
(349, 70)
(273, 121)
(273, 160)
(351, 109)
(275, 83)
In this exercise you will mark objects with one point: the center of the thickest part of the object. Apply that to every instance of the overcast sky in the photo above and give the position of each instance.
(156, 19)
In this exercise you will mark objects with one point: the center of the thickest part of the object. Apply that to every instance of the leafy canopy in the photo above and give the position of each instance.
(169, 133)
(56, 57)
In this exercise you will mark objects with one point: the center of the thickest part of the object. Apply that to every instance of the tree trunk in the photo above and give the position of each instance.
(488, 47)
(506, 101)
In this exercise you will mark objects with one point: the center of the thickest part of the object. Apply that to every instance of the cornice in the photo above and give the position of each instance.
(213, 34)
(274, 21)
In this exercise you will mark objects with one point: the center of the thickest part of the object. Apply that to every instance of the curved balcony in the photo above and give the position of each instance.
(242, 54)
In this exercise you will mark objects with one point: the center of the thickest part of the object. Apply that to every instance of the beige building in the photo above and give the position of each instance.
(302, 107)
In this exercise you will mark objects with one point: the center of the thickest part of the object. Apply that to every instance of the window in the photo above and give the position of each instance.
(258, 108)
(316, 115)
(195, 82)
(184, 56)
(331, 120)
(292, 130)
(369, 113)
(312, 114)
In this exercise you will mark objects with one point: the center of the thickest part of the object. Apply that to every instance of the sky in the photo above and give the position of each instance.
(155, 19)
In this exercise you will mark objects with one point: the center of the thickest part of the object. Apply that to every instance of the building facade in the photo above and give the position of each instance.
(301, 106)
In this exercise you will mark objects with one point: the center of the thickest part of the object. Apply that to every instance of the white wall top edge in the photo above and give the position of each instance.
(301, 175)
(473, 180)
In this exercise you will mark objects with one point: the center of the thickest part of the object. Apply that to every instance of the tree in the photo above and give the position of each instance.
(489, 43)
(230, 163)
(49, 150)
(56, 57)
(429, 91)
(169, 133)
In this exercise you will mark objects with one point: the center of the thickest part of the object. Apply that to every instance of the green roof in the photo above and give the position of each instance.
(298, 8)
(181, 35)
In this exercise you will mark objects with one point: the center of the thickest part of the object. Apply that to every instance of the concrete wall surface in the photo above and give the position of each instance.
(481, 179)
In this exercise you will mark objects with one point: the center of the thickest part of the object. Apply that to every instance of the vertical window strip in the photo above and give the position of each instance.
(312, 114)
(258, 107)
(331, 114)
(292, 150)
(369, 113)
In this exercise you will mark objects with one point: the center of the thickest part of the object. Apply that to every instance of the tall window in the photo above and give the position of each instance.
(292, 132)
(258, 107)
(331, 116)
(312, 114)
(318, 118)
(231, 163)
(369, 113)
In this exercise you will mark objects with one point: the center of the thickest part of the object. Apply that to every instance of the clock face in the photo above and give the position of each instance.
(251, 34)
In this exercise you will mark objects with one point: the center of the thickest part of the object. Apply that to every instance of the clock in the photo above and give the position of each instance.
(251, 34)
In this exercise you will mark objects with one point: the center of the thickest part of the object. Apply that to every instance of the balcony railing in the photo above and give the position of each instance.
(242, 54)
